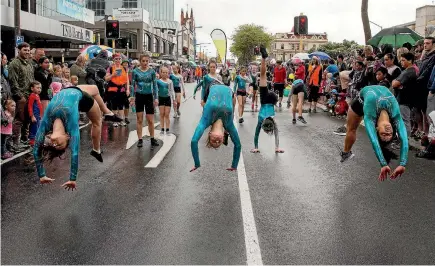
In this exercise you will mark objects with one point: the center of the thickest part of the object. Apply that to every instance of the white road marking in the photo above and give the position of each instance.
(132, 136)
(29, 150)
(252, 245)
(168, 142)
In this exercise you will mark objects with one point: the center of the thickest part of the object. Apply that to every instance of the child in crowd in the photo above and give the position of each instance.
(7, 118)
(381, 77)
(34, 108)
(341, 106)
(55, 87)
(333, 99)
(57, 74)
(74, 80)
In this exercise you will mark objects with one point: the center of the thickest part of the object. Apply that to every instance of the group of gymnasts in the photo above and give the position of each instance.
(59, 127)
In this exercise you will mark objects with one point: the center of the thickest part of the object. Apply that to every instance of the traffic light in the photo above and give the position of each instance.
(303, 25)
(185, 50)
(112, 29)
(296, 26)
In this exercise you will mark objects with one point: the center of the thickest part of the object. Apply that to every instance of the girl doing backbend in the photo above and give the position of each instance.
(59, 128)
(217, 113)
(382, 119)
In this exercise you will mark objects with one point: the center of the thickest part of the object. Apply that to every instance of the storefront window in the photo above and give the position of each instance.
(129, 3)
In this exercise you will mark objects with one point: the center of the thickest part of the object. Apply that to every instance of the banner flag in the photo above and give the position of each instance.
(220, 41)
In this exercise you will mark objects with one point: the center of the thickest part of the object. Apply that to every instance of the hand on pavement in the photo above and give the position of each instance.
(385, 171)
(255, 151)
(45, 180)
(70, 185)
(231, 169)
(279, 151)
(398, 172)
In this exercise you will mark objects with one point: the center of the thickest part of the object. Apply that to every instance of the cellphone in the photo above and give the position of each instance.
(257, 50)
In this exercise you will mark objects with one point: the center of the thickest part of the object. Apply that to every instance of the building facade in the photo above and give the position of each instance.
(158, 9)
(286, 45)
(42, 31)
(186, 35)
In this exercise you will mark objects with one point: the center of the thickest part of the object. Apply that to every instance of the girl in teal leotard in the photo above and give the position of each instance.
(208, 80)
(218, 113)
(382, 119)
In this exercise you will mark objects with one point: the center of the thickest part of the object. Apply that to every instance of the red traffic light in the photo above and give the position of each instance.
(115, 24)
(303, 20)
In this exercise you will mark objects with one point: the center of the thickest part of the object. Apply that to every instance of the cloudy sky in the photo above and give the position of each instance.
(340, 19)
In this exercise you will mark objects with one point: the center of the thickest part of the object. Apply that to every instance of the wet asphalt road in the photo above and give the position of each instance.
(308, 207)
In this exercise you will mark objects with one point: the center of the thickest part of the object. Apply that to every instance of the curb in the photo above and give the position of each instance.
(413, 144)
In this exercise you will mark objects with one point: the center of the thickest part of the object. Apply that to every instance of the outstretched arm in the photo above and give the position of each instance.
(39, 142)
(198, 86)
(275, 131)
(403, 136)
(257, 134)
(236, 140)
(203, 124)
(373, 136)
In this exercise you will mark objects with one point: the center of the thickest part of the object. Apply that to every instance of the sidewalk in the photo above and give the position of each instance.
(413, 144)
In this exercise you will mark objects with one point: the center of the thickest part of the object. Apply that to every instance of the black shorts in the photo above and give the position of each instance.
(165, 101)
(177, 89)
(279, 88)
(254, 86)
(87, 101)
(144, 102)
(241, 93)
(357, 105)
(298, 89)
(126, 102)
(313, 94)
(115, 100)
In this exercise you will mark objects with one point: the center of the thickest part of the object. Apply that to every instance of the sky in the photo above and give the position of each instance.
(340, 19)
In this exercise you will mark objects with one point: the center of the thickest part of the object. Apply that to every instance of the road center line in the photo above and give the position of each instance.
(252, 245)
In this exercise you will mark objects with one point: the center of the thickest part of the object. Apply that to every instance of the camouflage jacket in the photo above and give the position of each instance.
(20, 77)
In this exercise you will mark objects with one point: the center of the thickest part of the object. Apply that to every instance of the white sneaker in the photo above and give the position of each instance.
(178, 112)
(168, 133)
(123, 124)
(162, 133)
(115, 124)
(175, 115)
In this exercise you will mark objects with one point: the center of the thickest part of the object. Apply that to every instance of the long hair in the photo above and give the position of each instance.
(388, 153)
(268, 125)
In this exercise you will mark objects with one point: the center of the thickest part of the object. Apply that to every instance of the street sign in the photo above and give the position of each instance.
(20, 39)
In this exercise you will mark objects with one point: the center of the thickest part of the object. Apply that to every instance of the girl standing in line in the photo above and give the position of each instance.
(166, 94)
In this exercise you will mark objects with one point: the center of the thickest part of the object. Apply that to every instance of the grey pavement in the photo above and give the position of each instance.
(308, 207)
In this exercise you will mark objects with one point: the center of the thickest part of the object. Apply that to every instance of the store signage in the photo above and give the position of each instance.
(76, 33)
(155, 55)
(131, 15)
(76, 10)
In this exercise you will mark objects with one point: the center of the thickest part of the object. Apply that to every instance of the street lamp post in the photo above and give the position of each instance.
(200, 48)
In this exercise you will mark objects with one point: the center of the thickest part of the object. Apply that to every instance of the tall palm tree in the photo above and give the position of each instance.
(365, 20)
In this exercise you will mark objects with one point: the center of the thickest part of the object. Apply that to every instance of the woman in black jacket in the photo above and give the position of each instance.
(43, 75)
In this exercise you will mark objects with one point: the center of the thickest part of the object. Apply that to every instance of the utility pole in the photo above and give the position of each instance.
(17, 19)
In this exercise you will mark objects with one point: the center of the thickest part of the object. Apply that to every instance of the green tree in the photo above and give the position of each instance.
(333, 49)
(245, 38)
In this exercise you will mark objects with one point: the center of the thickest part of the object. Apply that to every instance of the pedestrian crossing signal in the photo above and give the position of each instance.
(112, 29)
(303, 25)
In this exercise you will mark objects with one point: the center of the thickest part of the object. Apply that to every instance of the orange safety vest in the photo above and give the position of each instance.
(117, 81)
(314, 76)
